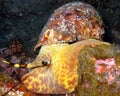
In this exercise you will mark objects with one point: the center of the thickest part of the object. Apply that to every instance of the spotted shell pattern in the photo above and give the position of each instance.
(71, 23)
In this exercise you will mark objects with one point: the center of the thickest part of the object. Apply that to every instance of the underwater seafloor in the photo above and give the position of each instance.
(21, 22)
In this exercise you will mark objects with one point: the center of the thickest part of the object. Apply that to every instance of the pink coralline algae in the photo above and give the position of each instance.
(102, 66)
(110, 70)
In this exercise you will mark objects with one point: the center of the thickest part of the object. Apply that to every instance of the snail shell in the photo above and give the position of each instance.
(71, 23)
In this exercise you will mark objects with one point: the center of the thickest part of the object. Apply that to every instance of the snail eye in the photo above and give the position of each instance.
(45, 63)
(45, 60)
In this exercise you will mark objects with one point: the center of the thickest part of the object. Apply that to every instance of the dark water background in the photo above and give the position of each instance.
(24, 19)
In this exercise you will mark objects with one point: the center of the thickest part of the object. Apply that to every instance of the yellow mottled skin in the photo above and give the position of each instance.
(60, 76)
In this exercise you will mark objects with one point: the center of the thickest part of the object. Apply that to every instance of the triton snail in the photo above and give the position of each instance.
(67, 41)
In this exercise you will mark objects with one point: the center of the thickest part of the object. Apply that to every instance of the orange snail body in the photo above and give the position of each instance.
(60, 75)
